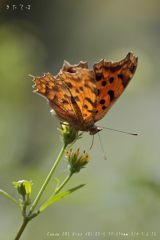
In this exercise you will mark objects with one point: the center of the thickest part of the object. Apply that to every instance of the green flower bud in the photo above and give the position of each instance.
(76, 161)
(23, 187)
(68, 134)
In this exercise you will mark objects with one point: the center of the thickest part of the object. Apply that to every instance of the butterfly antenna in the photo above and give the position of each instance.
(134, 134)
(102, 146)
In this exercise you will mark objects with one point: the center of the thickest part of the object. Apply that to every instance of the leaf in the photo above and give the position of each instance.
(7, 195)
(59, 196)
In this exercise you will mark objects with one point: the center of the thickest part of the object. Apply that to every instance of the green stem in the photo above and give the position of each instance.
(30, 216)
(24, 207)
(24, 223)
(47, 180)
(64, 182)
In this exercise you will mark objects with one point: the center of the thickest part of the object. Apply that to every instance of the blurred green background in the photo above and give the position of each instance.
(122, 193)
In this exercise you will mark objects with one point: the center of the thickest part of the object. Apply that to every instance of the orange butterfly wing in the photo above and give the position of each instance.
(72, 94)
(82, 85)
(112, 78)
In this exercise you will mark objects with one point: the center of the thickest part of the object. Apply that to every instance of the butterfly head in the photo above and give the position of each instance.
(94, 129)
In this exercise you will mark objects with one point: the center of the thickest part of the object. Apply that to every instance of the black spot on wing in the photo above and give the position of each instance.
(65, 101)
(85, 106)
(111, 94)
(104, 83)
(77, 90)
(102, 101)
(98, 76)
(69, 84)
(92, 89)
(91, 111)
(81, 88)
(90, 101)
(120, 76)
(66, 96)
(111, 79)
(76, 98)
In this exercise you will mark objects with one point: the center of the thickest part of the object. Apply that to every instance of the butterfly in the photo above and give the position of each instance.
(81, 96)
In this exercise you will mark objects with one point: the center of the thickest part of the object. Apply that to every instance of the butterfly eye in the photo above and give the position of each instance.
(98, 76)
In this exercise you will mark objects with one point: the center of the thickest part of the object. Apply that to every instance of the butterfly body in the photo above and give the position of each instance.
(81, 96)
(91, 127)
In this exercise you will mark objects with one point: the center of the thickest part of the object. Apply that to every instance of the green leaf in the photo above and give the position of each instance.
(7, 195)
(59, 196)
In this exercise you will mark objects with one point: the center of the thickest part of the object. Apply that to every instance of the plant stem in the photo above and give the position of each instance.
(24, 223)
(64, 182)
(47, 180)
(27, 218)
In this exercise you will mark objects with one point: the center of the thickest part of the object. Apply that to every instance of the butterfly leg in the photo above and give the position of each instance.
(77, 136)
(91, 143)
